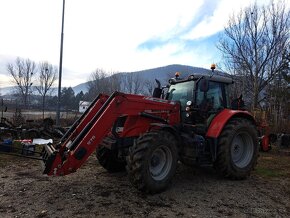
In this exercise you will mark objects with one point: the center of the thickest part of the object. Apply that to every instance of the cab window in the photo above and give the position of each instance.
(182, 92)
(214, 98)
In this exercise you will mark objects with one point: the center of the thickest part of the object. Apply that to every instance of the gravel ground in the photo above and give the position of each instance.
(92, 192)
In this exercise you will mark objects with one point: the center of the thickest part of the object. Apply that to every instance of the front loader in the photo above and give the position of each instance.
(190, 120)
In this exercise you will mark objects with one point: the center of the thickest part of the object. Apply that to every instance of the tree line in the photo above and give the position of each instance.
(29, 76)
(33, 80)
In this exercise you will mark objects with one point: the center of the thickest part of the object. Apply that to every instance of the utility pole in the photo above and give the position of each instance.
(60, 69)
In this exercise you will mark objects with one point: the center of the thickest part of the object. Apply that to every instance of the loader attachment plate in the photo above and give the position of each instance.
(48, 155)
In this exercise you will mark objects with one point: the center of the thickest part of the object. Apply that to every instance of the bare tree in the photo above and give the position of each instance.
(253, 45)
(133, 83)
(95, 85)
(46, 78)
(149, 87)
(286, 69)
(114, 81)
(22, 72)
(277, 100)
(101, 81)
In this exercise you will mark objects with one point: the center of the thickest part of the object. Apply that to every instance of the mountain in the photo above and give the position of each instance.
(80, 87)
(160, 73)
(7, 90)
(163, 73)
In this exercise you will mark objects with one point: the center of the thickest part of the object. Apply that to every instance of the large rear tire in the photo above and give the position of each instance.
(152, 161)
(237, 149)
(108, 158)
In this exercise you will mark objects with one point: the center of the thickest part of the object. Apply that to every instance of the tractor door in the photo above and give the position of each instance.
(215, 96)
(182, 92)
(211, 100)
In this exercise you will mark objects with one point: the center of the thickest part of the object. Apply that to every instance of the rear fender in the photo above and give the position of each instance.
(221, 119)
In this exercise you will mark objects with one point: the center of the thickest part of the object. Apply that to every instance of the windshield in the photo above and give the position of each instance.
(182, 92)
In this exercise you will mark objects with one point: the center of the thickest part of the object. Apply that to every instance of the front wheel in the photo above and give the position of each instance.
(108, 158)
(152, 161)
(237, 149)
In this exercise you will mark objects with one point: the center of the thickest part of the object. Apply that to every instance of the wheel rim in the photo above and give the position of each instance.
(242, 149)
(160, 163)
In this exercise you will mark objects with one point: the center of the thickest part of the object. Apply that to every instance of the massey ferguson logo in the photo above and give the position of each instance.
(91, 140)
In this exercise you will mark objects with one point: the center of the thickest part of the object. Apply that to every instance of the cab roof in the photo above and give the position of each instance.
(215, 78)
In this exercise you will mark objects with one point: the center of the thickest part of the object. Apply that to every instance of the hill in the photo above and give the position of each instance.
(160, 73)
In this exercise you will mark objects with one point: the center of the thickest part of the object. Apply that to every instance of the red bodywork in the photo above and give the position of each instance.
(220, 120)
(139, 115)
(87, 134)
(265, 143)
(265, 138)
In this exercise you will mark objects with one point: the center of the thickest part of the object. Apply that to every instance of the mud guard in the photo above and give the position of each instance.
(220, 120)
(172, 129)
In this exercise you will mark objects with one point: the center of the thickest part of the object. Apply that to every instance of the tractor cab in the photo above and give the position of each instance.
(200, 96)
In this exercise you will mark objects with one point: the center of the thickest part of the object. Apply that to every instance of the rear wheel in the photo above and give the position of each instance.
(152, 161)
(109, 158)
(237, 149)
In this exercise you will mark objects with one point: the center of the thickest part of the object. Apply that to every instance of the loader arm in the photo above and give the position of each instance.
(80, 123)
(86, 136)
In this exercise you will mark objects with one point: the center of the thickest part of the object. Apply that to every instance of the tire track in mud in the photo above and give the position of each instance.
(92, 192)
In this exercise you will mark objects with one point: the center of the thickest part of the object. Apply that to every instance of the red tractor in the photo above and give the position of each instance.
(190, 120)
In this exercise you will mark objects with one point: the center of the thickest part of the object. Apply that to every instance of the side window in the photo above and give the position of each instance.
(214, 98)
(215, 95)
(226, 96)
(199, 98)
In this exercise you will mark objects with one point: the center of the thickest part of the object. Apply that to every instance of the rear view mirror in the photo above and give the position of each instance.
(203, 85)
(157, 93)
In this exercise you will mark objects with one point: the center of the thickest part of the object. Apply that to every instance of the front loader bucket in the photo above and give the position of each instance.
(49, 155)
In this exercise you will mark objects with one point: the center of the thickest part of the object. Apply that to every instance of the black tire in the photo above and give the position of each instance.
(237, 149)
(152, 161)
(188, 162)
(108, 158)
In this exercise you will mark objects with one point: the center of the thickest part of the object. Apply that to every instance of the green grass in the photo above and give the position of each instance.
(273, 165)
(270, 173)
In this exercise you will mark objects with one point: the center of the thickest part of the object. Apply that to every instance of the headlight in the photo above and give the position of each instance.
(189, 103)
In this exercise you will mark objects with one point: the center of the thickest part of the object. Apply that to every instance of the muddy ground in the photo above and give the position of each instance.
(92, 192)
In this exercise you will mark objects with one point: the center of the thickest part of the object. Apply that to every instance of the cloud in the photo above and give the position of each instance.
(175, 35)
(115, 35)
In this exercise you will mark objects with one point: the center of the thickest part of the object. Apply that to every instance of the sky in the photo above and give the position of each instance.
(114, 35)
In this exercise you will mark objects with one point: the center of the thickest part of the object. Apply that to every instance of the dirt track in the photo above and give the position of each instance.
(92, 192)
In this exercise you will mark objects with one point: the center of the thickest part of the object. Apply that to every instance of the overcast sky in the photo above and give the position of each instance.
(115, 35)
